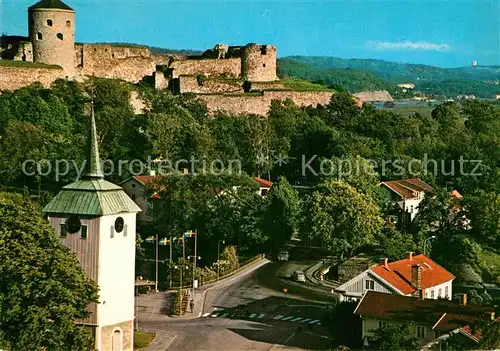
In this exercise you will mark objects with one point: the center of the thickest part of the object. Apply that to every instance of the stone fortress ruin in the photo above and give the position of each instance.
(232, 78)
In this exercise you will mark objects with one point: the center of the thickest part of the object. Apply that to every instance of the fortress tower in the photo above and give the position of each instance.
(258, 63)
(51, 26)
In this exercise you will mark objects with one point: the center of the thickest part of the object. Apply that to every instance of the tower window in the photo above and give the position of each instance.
(63, 230)
(264, 65)
(68, 23)
(84, 232)
(60, 36)
(49, 22)
(263, 50)
(39, 36)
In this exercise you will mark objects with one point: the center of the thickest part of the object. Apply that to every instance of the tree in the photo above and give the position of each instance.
(282, 213)
(483, 211)
(343, 324)
(490, 336)
(397, 337)
(340, 218)
(395, 244)
(43, 289)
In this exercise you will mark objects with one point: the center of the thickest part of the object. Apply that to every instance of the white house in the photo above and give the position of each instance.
(406, 194)
(412, 276)
(97, 221)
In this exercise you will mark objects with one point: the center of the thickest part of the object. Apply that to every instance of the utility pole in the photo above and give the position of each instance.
(156, 281)
(170, 265)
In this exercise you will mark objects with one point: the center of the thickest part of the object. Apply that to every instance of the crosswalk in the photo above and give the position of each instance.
(262, 316)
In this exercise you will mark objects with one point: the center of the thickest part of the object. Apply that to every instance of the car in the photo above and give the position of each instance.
(283, 256)
(299, 276)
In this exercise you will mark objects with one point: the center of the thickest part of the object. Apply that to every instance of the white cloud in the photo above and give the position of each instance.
(407, 45)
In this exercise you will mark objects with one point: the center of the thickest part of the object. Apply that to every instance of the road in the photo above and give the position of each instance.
(247, 312)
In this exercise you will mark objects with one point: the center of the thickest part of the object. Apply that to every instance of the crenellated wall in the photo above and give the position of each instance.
(12, 78)
(230, 67)
(131, 64)
(260, 103)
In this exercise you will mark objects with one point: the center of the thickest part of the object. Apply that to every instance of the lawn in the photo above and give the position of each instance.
(25, 64)
(491, 262)
(142, 339)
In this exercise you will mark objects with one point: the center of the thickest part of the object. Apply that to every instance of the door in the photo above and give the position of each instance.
(116, 344)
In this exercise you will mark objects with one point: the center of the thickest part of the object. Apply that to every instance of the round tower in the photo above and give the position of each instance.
(258, 63)
(51, 26)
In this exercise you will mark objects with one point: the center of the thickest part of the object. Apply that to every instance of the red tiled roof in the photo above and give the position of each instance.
(456, 194)
(442, 315)
(398, 273)
(144, 180)
(264, 182)
(408, 188)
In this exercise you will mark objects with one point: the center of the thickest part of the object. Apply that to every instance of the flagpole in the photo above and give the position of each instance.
(156, 282)
(170, 280)
(195, 255)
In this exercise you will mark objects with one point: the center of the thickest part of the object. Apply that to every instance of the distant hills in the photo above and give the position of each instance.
(367, 74)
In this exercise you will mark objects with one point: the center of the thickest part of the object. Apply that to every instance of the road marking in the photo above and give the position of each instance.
(253, 315)
(314, 321)
(153, 311)
(288, 339)
(278, 317)
(306, 320)
(296, 319)
(170, 342)
(206, 314)
(287, 318)
(261, 316)
(214, 315)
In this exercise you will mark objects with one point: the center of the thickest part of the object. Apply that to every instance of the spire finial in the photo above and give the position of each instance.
(93, 165)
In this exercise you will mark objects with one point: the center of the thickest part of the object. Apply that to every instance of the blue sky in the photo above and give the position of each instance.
(442, 33)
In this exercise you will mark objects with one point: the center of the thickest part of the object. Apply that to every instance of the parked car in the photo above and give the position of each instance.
(283, 256)
(299, 276)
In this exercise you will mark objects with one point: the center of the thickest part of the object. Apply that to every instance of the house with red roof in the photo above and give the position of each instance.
(434, 321)
(406, 195)
(413, 276)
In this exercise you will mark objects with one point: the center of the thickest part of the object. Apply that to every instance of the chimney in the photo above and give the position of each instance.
(416, 276)
(383, 262)
(185, 170)
(421, 294)
(463, 299)
(410, 255)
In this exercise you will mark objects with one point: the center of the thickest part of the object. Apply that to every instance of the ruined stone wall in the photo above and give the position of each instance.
(131, 64)
(16, 48)
(51, 31)
(191, 84)
(161, 82)
(259, 86)
(259, 63)
(260, 103)
(12, 78)
(230, 67)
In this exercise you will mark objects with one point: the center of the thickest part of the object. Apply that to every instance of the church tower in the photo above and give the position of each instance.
(51, 26)
(97, 221)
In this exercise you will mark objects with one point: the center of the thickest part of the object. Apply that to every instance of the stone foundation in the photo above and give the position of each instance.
(109, 341)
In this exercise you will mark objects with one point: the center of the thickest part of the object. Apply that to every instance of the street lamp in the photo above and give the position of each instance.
(425, 243)
(152, 239)
(180, 287)
(194, 268)
(218, 257)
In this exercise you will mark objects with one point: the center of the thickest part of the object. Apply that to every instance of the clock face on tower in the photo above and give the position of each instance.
(73, 224)
(119, 223)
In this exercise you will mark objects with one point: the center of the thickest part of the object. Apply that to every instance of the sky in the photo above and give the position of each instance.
(439, 33)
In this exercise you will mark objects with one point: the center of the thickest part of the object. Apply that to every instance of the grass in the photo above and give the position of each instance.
(301, 85)
(24, 64)
(142, 339)
(491, 262)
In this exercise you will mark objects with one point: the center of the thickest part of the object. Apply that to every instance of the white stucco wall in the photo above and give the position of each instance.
(116, 270)
(441, 288)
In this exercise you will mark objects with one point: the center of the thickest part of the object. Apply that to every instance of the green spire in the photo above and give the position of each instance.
(93, 165)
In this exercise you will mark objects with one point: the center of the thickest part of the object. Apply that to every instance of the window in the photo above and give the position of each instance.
(132, 185)
(264, 65)
(119, 224)
(60, 36)
(411, 208)
(83, 233)
(63, 230)
(263, 50)
(432, 294)
(49, 22)
(264, 192)
(125, 231)
(39, 36)
(112, 234)
(68, 23)
(439, 292)
(446, 291)
(369, 285)
(420, 332)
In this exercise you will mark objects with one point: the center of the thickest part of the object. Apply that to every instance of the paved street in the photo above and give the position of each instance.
(246, 312)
